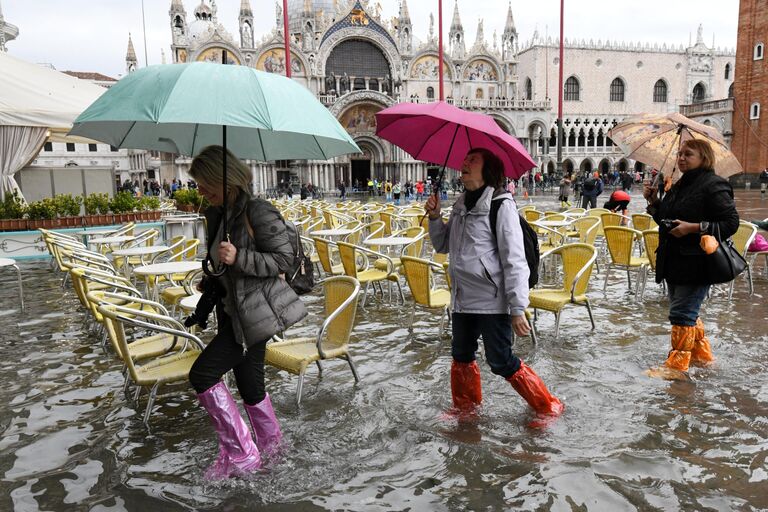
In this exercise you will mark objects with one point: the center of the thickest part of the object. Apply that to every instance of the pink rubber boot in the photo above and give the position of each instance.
(265, 426)
(238, 454)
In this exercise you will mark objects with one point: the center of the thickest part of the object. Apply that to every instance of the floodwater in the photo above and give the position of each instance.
(70, 440)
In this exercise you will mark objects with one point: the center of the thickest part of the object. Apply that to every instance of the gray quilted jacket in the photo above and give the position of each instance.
(489, 275)
(259, 301)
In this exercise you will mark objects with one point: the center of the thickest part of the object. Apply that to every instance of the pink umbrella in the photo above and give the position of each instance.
(443, 134)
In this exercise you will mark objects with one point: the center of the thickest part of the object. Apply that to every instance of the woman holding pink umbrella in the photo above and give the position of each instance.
(489, 295)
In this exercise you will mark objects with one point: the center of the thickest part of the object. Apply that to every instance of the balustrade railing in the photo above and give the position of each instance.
(466, 103)
(707, 106)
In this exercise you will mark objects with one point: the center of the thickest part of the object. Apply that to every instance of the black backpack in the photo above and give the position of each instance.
(300, 275)
(590, 184)
(530, 241)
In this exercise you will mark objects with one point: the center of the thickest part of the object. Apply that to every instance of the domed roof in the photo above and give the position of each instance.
(199, 28)
(296, 10)
(203, 11)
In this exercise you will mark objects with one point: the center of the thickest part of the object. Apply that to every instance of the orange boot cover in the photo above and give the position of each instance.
(532, 389)
(701, 354)
(683, 338)
(466, 388)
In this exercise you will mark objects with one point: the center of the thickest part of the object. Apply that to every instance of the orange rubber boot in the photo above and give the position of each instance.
(701, 354)
(676, 365)
(466, 387)
(683, 340)
(530, 386)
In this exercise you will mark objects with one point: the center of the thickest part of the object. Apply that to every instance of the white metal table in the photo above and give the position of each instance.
(166, 269)
(8, 262)
(189, 303)
(332, 232)
(141, 252)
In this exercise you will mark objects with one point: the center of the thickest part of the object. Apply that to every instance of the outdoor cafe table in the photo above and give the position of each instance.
(87, 233)
(332, 232)
(552, 223)
(166, 269)
(141, 252)
(389, 241)
(189, 303)
(112, 240)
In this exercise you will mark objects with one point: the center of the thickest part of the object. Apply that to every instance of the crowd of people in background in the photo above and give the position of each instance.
(151, 187)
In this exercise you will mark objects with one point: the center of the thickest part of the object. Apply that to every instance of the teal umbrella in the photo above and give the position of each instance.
(182, 108)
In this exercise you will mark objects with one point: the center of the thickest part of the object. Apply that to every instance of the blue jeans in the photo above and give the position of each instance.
(497, 338)
(685, 301)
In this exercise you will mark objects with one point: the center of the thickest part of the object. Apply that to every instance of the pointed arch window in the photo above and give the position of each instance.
(572, 89)
(699, 93)
(730, 91)
(754, 111)
(728, 71)
(617, 89)
(528, 89)
(660, 91)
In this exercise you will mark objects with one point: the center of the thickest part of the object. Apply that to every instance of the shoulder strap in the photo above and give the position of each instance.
(494, 214)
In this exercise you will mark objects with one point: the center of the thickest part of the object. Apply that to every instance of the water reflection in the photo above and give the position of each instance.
(71, 441)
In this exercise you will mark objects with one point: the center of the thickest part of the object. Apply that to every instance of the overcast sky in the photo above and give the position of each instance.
(92, 35)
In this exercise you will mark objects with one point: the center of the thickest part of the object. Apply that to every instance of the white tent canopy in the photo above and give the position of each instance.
(35, 103)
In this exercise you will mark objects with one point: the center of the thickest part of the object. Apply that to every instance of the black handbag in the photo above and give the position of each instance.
(726, 263)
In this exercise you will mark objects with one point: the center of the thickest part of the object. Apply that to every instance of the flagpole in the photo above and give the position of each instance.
(286, 38)
(144, 24)
(559, 170)
(440, 46)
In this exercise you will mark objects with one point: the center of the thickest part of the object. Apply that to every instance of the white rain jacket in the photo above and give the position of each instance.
(489, 275)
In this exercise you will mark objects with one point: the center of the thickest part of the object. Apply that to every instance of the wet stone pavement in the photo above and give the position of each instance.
(70, 440)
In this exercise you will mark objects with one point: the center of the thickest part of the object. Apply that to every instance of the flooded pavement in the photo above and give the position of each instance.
(70, 440)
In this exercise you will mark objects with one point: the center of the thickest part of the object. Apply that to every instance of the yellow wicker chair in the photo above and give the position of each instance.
(613, 219)
(357, 262)
(741, 241)
(143, 347)
(620, 242)
(576, 210)
(418, 274)
(577, 261)
(325, 250)
(651, 244)
(585, 229)
(642, 221)
(532, 215)
(172, 295)
(332, 340)
(168, 369)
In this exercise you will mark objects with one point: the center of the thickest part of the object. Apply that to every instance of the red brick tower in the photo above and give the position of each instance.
(750, 116)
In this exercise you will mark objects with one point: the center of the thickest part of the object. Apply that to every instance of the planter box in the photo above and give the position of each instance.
(71, 222)
(13, 224)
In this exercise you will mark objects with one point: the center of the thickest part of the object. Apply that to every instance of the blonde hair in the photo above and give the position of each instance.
(705, 150)
(207, 167)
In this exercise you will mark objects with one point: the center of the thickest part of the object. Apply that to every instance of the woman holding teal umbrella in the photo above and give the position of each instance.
(253, 303)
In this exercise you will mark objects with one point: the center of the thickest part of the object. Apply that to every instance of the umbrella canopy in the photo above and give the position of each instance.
(181, 108)
(654, 139)
(443, 134)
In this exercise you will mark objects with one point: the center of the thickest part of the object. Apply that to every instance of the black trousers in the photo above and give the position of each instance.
(224, 353)
(497, 338)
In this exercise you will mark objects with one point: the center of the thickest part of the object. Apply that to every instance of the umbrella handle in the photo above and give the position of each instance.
(209, 271)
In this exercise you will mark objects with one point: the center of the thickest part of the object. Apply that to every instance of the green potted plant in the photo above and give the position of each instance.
(68, 209)
(149, 206)
(190, 200)
(122, 205)
(102, 203)
(42, 214)
(12, 212)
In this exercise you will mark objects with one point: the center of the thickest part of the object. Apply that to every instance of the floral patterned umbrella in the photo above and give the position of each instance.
(654, 139)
